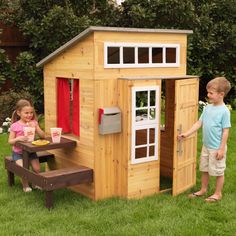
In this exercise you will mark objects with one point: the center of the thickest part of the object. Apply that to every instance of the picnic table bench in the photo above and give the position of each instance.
(48, 180)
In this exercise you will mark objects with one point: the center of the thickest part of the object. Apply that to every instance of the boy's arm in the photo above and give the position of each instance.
(221, 151)
(193, 129)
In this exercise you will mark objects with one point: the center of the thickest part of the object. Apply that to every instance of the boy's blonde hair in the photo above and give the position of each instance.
(220, 84)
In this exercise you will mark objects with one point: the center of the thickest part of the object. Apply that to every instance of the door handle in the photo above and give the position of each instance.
(179, 142)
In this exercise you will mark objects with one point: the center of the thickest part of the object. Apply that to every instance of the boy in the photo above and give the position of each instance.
(215, 121)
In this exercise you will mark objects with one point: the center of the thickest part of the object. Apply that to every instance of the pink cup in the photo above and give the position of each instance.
(56, 134)
(29, 132)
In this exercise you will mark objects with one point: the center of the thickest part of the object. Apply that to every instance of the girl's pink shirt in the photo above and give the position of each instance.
(18, 129)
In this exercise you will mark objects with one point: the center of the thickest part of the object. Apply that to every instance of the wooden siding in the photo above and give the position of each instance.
(105, 73)
(106, 146)
(110, 155)
(135, 180)
(76, 63)
(186, 114)
(12, 41)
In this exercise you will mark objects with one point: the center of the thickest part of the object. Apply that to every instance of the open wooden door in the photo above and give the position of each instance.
(185, 152)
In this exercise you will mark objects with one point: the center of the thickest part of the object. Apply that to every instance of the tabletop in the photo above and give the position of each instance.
(30, 148)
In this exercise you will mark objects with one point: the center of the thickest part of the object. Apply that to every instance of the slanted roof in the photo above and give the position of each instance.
(92, 29)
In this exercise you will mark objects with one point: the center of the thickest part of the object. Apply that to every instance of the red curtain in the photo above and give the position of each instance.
(76, 108)
(63, 104)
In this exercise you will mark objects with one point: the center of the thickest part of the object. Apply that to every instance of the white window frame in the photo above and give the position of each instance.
(146, 124)
(121, 45)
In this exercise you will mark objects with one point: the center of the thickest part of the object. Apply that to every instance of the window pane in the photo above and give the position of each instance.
(141, 99)
(141, 115)
(128, 55)
(151, 151)
(151, 135)
(152, 98)
(152, 114)
(157, 55)
(140, 152)
(143, 55)
(113, 56)
(170, 55)
(141, 137)
(163, 103)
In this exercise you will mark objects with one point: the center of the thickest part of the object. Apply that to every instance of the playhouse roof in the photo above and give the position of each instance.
(92, 29)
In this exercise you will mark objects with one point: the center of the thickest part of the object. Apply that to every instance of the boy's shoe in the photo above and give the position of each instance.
(212, 199)
(27, 189)
(194, 195)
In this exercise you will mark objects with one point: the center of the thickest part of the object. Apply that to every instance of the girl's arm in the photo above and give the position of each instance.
(40, 132)
(193, 129)
(221, 151)
(13, 139)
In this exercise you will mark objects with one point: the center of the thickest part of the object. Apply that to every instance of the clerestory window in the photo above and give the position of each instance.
(131, 55)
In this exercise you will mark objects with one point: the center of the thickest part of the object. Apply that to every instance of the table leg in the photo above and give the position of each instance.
(49, 199)
(25, 157)
(10, 177)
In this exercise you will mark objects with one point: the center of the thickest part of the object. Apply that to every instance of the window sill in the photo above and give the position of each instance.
(71, 136)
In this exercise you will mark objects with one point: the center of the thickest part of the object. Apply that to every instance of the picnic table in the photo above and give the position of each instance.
(52, 179)
(28, 147)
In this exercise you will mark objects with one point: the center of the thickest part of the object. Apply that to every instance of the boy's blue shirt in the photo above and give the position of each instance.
(214, 120)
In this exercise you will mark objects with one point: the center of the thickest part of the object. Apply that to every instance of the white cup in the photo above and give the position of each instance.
(29, 132)
(56, 134)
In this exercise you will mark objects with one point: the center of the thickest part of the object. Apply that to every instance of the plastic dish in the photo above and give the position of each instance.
(40, 142)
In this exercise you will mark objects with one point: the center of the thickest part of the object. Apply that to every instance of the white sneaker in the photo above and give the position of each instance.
(27, 189)
(36, 187)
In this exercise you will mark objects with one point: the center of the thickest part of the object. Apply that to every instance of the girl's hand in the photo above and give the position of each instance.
(31, 124)
(22, 138)
(12, 139)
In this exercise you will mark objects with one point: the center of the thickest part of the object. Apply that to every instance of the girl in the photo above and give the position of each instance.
(23, 116)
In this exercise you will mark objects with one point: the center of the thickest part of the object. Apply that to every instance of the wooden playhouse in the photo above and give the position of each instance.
(106, 88)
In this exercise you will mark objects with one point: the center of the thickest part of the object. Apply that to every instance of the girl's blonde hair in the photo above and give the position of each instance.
(19, 106)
